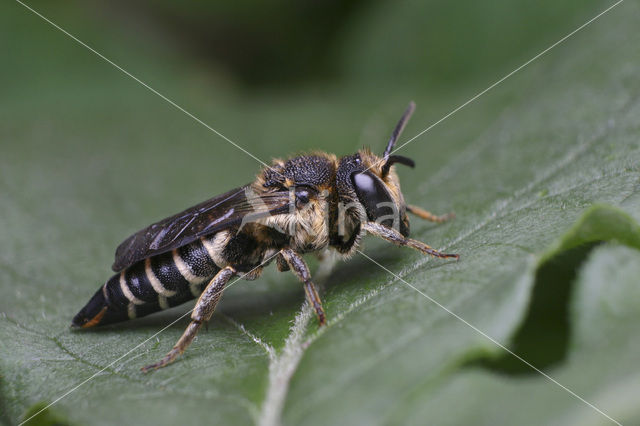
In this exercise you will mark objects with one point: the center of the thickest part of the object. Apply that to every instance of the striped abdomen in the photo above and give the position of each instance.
(158, 282)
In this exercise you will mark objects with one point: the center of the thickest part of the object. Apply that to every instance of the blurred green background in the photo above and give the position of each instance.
(88, 155)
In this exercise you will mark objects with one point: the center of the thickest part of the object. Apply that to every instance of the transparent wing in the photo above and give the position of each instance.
(206, 218)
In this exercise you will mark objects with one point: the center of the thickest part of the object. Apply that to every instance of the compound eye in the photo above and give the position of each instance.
(373, 195)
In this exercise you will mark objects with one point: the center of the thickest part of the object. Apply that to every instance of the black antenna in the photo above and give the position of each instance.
(399, 128)
(392, 159)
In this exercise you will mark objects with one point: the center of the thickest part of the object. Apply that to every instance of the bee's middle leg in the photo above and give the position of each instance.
(296, 263)
(202, 313)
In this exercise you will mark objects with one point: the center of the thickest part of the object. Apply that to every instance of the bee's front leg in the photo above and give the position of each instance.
(298, 266)
(202, 313)
(426, 215)
(398, 239)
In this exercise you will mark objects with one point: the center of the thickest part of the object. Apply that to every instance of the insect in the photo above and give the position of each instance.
(305, 204)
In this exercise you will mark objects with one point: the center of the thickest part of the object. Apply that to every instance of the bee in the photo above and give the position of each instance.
(305, 204)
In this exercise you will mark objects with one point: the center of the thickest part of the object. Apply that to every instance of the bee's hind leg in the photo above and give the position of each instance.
(398, 239)
(298, 266)
(426, 215)
(202, 313)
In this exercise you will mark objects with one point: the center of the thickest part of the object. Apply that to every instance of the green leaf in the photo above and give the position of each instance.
(599, 367)
(539, 171)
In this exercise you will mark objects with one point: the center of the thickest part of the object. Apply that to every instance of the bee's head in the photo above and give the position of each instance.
(368, 184)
